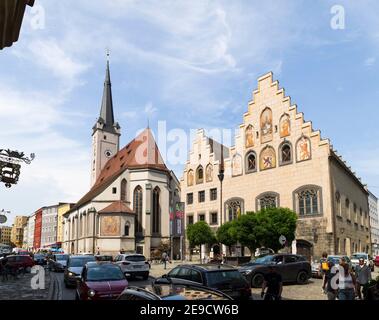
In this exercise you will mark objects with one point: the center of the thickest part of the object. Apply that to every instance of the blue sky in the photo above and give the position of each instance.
(191, 63)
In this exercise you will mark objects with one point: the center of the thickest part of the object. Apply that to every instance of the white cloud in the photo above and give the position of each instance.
(370, 61)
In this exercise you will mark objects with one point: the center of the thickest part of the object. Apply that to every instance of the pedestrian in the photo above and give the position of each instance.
(347, 283)
(324, 266)
(363, 276)
(274, 284)
(164, 259)
(328, 284)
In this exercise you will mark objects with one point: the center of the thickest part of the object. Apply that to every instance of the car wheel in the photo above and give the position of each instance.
(302, 277)
(28, 269)
(257, 280)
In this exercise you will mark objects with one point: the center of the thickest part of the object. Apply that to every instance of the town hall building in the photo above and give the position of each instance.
(278, 160)
(132, 191)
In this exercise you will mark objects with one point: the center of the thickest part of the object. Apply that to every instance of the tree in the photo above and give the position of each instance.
(247, 231)
(226, 235)
(200, 233)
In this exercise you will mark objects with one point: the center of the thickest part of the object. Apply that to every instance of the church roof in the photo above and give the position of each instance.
(141, 153)
(117, 207)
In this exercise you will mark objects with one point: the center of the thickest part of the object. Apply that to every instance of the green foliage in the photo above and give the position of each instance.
(226, 235)
(200, 233)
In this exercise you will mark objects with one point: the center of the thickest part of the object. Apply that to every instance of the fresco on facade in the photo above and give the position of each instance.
(237, 165)
(190, 178)
(268, 158)
(303, 149)
(110, 226)
(266, 125)
(249, 137)
(285, 126)
(209, 173)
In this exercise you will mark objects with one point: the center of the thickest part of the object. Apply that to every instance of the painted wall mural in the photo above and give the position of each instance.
(110, 226)
(190, 177)
(266, 125)
(285, 126)
(268, 158)
(209, 173)
(237, 165)
(303, 149)
(249, 136)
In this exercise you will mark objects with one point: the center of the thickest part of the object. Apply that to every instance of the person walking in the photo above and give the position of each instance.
(328, 284)
(274, 284)
(363, 276)
(347, 283)
(164, 259)
(324, 266)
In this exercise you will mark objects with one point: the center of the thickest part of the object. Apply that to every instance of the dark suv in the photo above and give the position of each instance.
(292, 268)
(224, 278)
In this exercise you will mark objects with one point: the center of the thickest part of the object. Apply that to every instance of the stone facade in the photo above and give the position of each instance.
(49, 226)
(17, 233)
(374, 223)
(278, 159)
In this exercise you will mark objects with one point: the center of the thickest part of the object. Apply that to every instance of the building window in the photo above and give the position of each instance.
(137, 202)
(189, 220)
(190, 178)
(156, 210)
(201, 196)
(267, 200)
(114, 190)
(123, 190)
(234, 208)
(213, 218)
(347, 209)
(190, 198)
(338, 203)
(308, 201)
(199, 175)
(213, 194)
(285, 153)
(251, 162)
(201, 217)
(126, 229)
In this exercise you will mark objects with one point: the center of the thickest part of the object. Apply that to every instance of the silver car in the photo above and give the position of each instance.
(73, 271)
(133, 264)
(58, 262)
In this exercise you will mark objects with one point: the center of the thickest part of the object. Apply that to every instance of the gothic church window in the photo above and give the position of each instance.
(285, 153)
(199, 175)
(137, 202)
(251, 162)
(308, 201)
(267, 200)
(156, 211)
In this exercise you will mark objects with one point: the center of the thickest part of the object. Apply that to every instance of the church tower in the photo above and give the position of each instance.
(105, 133)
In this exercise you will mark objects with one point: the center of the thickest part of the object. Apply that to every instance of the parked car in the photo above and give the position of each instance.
(292, 268)
(73, 271)
(224, 278)
(100, 281)
(40, 259)
(58, 262)
(361, 255)
(17, 262)
(173, 289)
(335, 259)
(376, 261)
(316, 271)
(103, 258)
(133, 264)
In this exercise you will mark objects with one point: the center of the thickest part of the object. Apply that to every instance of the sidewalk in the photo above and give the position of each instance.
(21, 289)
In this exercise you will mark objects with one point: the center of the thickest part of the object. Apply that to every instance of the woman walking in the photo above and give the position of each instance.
(347, 283)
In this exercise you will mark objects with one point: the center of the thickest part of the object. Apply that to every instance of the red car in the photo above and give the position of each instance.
(376, 261)
(100, 281)
(17, 262)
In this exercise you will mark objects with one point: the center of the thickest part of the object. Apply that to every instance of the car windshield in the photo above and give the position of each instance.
(135, 258)
(358, 256)
(263, 260)
(62, 257)
(80, 262)
(105, 273)
(216, 278)
(334, 259)
(39, 256)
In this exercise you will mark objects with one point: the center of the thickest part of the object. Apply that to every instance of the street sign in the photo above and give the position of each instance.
(282, 240)
(3, 219)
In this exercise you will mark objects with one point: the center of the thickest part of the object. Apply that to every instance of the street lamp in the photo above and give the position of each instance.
(221, 170)
(10, 165)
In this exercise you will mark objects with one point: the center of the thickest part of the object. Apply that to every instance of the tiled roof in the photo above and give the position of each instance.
(117, 207)
(141, 153)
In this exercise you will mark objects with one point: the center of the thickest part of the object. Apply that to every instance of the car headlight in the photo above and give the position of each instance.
(71, 274)
(91, 293)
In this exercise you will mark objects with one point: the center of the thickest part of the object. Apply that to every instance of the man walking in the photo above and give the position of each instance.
(164, 259)
(363, 276)
(329, 288)
(273, 283)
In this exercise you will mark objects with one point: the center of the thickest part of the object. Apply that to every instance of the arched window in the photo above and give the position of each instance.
(234, 208)
(236, 165)
(209, 173)
(267, 200)
(123, 190)
(285, 125)
(285, 153)
(338, 203)
(266, 125)
(251, 162)
(308, 201)
(267, 158)
(156, 211)
(303, 149)
(347, 209)
(126, 229)
(137, 205)
(249, 136)
(199, 175)
(190, 178)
